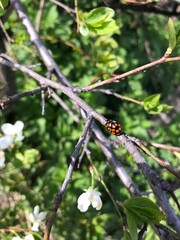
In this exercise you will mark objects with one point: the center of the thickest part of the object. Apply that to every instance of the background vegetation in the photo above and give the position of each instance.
(35, 168)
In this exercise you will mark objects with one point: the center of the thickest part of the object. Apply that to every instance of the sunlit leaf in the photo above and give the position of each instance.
(153, 106)
(84, 30)
(100, 21)
(99, 15)
(144, 210)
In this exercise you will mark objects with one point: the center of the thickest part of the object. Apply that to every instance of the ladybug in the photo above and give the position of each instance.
(113, 127)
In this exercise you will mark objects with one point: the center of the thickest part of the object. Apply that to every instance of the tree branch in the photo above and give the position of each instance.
(35, 39)
(7, 101)
(67, 178)
(122, 76)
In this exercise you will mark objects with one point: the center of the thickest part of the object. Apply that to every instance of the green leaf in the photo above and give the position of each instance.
(132, 224)
(144, 210)
(107, 27)
(153, 106)
(98, 15)
(2, 12)
(83, 29)
(127, 236)
(100, 21)
(166, 108)
(3, 3)
(172, 36)
(51, 17)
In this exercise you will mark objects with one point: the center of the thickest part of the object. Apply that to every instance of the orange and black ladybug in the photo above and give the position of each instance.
(113, 127)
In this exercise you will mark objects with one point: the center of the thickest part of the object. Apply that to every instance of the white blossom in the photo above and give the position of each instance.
(17, 238)
(36, 218)
(5, 142)
(14, 131)
(2, 159)
(91, 196)
(27, 237)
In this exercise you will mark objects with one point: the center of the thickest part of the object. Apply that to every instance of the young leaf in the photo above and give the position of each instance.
(151, 102)
(107, 27)
(3, 3)
(98, 15)
(144, 210)
(172, 35)
(153, 106)
(84, 30)
(100, 21)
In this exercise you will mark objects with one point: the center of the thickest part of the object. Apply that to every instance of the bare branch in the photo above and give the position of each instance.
(39, 15)
(5, 102)
(67, 179)
(35, 39)
(110, 92)
(65, 7)
(121, 77)
(162, 146)
(63, 105)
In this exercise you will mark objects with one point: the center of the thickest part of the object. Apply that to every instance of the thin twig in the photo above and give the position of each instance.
(63, 105)
(162, 162)
(5, 102)
(65, 7)
(77, 14)
(9, 40)
(162, 146)
(121, 77)
(39, 15)
(100, 178)
(42, 103)
(110, 92)
(85, 149)
(67, 178)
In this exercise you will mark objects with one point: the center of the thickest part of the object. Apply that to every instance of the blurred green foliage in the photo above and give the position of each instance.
(36, 168)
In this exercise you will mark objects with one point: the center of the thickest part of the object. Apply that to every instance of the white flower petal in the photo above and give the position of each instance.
(31, 217)
(5, 142)
(97, 203)
(17, 238)
(18, 126)
(2, 159)
(83, 202)
(41, 215)
(91, 196)
(35, 227)
(29, 237)
(83, 207)
(19, 137)
(8, 129)
(36, 211)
